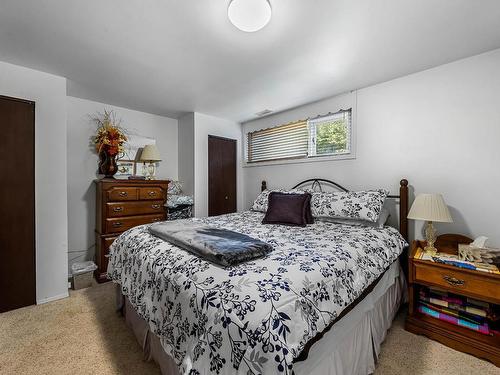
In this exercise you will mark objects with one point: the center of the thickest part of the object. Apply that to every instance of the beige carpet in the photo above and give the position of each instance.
(83, 335)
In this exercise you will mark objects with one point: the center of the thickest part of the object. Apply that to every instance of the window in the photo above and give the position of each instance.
(328, 135)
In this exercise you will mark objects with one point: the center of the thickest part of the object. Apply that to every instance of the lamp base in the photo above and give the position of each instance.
(430, 237)
(430, 250)
(151, 171)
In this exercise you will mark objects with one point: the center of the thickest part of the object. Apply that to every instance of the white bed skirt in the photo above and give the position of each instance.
(351, 347)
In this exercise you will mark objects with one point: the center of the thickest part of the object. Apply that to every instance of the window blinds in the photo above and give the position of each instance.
(280, 142)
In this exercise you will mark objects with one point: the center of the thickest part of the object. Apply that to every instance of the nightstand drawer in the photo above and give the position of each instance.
(458, 281)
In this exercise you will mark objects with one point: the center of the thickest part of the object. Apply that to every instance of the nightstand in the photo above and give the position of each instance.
(479, 285)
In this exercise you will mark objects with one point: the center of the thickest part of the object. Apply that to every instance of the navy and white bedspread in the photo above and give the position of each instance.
(254, 318)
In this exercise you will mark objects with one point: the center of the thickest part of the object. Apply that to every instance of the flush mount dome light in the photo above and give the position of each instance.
(249, 15)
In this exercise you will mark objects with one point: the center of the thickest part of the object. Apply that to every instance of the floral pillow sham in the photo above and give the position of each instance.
(174, 188)
(261, 202)
(356, 205)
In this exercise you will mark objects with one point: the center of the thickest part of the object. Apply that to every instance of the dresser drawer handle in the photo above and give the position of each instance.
(123, 193)
(117, 224)
(118, 209)
(453, 281)
(151, 193)
(157, 219)
(155, 206)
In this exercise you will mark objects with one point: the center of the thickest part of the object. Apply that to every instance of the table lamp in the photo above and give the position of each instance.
(430, 207)
(151, 155)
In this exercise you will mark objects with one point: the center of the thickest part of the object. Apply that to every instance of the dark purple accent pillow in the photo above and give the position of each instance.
(287, 209)
(309, 216)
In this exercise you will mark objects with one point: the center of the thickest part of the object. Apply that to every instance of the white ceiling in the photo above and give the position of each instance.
(173, 56)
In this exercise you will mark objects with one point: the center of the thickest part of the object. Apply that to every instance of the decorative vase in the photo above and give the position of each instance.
(102, 159)
(108, 167)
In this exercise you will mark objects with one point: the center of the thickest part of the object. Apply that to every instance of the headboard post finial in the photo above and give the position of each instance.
(263, 186)
(403, 208)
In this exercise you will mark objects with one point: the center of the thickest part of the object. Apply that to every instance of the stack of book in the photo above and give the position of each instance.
(453, 260)
(462, 311)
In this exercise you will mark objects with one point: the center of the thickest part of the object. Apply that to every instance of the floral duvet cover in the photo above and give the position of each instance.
(256, 317)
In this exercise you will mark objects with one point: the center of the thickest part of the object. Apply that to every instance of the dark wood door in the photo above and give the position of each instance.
(17, 203)
(221, 175)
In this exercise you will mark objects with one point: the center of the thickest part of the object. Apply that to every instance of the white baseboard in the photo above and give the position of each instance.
(53, 298)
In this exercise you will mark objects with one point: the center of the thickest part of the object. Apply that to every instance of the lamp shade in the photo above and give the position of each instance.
(150, 153)
(430, 207)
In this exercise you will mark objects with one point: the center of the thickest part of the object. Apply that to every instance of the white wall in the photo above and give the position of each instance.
(82, 165)
(204, 126)
(194, 129)
(439, 128)
(49, 94)
(186, 153)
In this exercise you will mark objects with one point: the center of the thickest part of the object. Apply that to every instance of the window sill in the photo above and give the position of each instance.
(314, 159)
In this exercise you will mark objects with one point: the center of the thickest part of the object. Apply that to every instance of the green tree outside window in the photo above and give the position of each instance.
(331, 137)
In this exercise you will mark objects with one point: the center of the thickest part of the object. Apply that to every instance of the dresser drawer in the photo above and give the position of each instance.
(106, 243)
(120, 193)
(458, 281)
(119, 209)
(120, 224)
(147, 193)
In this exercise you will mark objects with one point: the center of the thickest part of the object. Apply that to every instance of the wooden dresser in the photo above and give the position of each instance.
(121, 205)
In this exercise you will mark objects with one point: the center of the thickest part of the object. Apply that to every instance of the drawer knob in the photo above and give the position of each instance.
(155, 206)
(157, 219)
(118, 209)
(123, 193)
(453, 281)
(151, 193)
(117, 224)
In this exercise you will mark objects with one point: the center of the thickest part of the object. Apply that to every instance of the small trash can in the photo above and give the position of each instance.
(82, 274)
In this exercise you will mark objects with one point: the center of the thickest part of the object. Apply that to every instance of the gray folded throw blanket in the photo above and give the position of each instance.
(220, 246)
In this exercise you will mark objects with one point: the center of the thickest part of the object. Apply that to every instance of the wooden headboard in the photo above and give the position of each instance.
(317, 183)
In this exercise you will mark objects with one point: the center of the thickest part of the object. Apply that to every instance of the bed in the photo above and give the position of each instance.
(320, 303)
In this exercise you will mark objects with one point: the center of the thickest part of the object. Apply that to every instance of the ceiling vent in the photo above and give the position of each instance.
(264, 112)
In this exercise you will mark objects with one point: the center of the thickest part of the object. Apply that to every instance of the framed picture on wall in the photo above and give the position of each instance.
(134, 145)
(125, 168)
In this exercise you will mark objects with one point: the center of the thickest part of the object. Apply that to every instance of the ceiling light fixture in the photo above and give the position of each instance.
(249, 15)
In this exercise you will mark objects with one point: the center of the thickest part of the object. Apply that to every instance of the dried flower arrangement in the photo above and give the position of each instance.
(109, 141)
(110, 137)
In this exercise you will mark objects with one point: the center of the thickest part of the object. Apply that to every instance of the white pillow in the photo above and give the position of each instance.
(382, 219)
